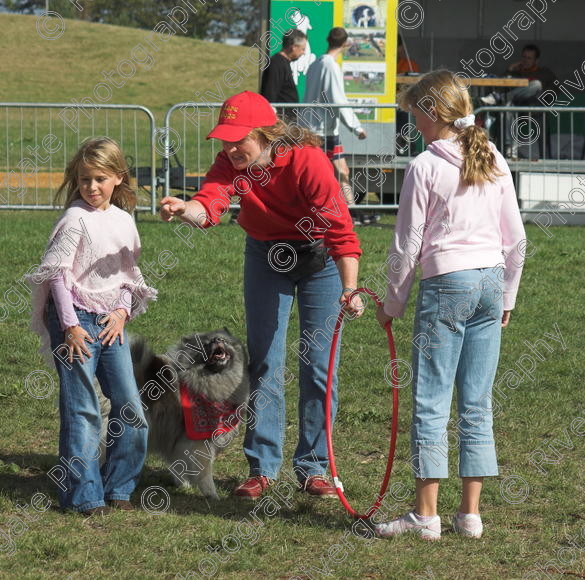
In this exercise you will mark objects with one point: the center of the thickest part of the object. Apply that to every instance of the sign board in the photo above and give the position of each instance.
(369, 64)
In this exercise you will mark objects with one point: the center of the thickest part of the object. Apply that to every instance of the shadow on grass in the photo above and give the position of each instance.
(23, 475)
(298, 509)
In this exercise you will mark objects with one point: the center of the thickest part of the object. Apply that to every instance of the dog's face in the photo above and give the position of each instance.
(214, 364)
(214, 351)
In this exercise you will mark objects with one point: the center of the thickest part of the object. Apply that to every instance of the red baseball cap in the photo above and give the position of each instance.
(242, 113)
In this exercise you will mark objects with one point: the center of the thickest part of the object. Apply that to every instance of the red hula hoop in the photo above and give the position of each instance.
(328, 427)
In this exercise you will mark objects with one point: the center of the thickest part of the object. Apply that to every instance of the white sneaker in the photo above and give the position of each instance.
(512, 152)
(411, 523)
(468, 525)
(492, 99)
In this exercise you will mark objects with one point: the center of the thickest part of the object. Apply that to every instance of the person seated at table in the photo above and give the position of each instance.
(539, 79)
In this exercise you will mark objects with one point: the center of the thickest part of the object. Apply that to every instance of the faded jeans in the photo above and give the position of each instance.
(456, 342)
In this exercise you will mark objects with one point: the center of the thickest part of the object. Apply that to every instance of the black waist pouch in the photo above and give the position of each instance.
(297, 258)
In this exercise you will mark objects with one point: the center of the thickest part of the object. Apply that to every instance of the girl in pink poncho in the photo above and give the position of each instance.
(85, 289)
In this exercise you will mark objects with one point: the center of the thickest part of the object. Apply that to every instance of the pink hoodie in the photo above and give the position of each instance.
(447, 226)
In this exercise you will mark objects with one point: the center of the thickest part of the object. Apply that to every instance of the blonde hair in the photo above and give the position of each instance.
(101, 153)
(284, 136)
(448, 96)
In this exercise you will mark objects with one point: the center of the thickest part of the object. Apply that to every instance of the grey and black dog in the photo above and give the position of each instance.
(212, 366)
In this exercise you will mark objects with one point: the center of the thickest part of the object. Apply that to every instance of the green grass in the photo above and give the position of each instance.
(174, 70)
(203, 292)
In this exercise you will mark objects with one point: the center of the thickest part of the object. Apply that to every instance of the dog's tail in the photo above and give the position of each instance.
(143, 358)
(147, 367)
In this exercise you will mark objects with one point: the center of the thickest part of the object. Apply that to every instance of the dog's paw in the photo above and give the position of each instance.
(183, 484)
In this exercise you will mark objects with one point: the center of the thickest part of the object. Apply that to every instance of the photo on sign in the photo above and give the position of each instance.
(360, 15)
(364, 112)
(364, 77)
(366, 46)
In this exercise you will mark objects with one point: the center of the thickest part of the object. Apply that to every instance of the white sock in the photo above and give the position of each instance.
(424, 519)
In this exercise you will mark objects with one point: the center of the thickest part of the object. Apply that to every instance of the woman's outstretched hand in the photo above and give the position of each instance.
(171, 207)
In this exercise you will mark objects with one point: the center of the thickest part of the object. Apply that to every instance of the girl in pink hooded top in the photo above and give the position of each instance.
(458, 219)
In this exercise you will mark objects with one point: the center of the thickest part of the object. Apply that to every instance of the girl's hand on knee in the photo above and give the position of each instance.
(114, 322)
(506, 318)
(75, 337)
(382, 317)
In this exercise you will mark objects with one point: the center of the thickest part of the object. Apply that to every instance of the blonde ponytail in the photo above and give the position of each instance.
(446, 94)
(479, 161)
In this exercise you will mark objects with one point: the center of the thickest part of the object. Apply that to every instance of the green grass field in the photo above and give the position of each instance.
(533, 512)
(167, 70)
(97, 63)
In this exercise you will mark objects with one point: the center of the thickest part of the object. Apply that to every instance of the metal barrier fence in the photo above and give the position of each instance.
(544, 174)
(38, 140)
(545, 149)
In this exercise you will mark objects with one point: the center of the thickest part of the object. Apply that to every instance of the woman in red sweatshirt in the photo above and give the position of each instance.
(300, 243)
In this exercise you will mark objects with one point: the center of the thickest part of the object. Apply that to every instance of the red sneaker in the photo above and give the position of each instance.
(253, 487)
(318, 485)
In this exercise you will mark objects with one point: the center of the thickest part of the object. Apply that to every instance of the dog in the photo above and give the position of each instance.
(194, 397)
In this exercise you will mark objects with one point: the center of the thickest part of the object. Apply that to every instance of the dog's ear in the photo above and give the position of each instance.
(227, 330)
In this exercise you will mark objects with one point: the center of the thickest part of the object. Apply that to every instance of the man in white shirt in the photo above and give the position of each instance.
(324, 84)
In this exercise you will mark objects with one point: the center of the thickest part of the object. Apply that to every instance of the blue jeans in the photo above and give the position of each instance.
(269, 296)
(82, 485)
(456, 340)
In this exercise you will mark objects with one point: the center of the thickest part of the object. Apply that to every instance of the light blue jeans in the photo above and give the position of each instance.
(456, 341)
(81, 483)
(269, 297)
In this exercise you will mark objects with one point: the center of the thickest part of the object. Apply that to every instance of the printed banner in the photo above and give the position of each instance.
(369, 64)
